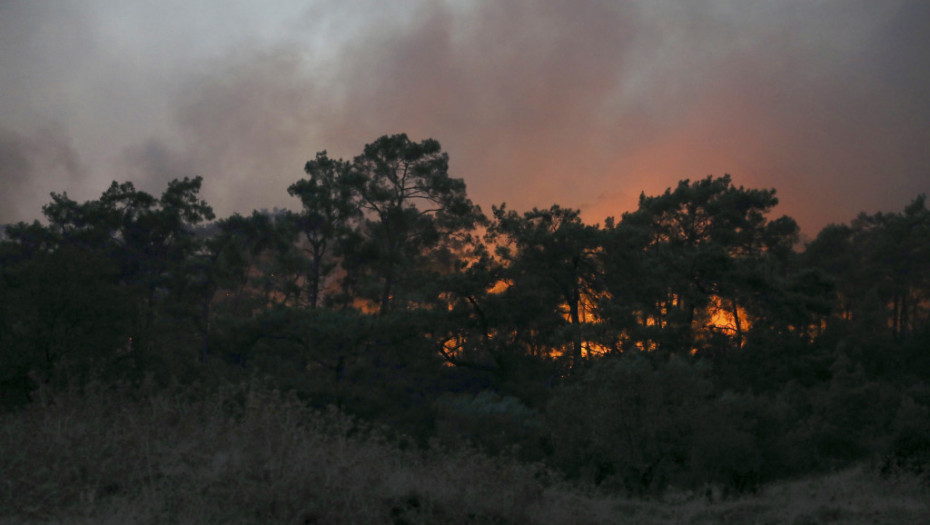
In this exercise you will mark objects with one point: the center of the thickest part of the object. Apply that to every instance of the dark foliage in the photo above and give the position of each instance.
(690, 342)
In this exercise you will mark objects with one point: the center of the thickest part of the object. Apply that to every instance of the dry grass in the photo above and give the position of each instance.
(250, 455)
(244, 455)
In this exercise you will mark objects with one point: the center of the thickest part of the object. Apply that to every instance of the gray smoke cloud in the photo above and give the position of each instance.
(584, 103)
(33, 166)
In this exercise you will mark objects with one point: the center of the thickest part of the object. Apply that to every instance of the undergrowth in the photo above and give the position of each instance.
(249, 454)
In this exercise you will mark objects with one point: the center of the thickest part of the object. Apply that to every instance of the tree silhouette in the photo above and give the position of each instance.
(330, 208)
(706, 241)
(126, 250)
(686, 343)
(550, 262)
(879, 263)
(416, 216)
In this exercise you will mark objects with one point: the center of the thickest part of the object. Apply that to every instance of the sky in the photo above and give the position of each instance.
(583, 103)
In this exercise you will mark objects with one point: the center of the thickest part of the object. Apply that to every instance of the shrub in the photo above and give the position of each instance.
(727, 447)
(628, 422)
(910, 450)
(491, 422)
(238, 453)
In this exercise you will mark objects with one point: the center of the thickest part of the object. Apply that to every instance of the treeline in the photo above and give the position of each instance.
(689, 341)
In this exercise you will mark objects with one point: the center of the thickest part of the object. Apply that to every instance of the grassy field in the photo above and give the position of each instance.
(250, 455)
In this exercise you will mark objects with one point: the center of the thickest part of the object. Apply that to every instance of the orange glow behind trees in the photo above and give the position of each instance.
(726, 317)
(674, 275)
(698, 267)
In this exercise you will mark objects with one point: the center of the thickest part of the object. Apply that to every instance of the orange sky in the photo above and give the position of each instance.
(584, 103)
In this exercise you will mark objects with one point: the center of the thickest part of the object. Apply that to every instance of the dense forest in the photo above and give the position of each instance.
(691, 341)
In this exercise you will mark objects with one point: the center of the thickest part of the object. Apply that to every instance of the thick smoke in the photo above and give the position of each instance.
(33, 166)
(246, 124)
(582, 103)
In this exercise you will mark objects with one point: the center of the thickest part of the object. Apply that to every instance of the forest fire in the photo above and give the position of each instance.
(603, 325)
(728, 318)
(367, 302)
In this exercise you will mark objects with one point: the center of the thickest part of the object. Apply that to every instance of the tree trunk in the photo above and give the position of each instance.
(573, 304)
(737, 323)
(386, 290)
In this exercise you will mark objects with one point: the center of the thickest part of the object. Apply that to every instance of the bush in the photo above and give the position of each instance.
(491, 422)
(728, 448)
(909, 452)
(238, 453)
(628, 422)
(851, 417)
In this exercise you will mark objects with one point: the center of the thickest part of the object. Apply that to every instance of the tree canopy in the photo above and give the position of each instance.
(692, 340)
